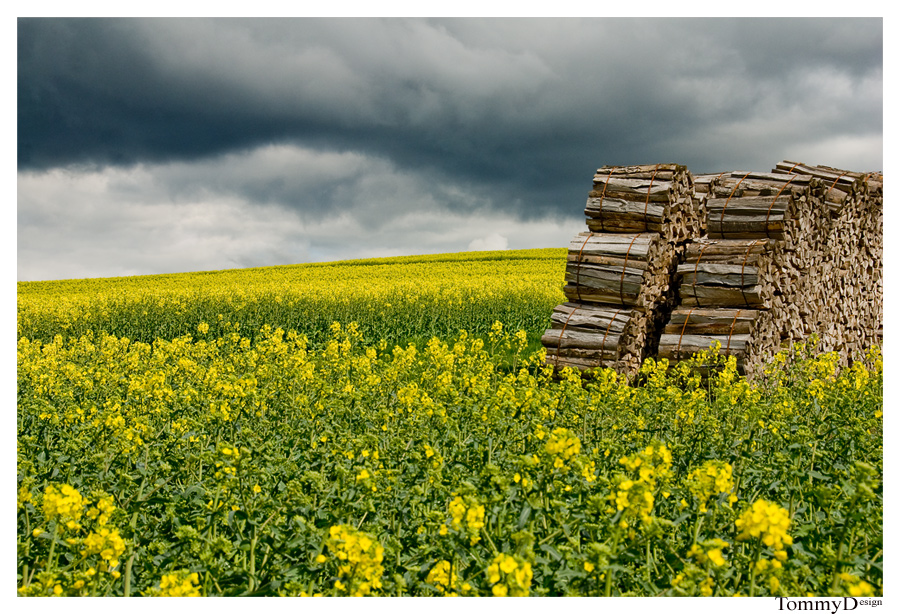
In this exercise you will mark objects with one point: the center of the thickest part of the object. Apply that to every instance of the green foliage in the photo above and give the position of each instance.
(239, 464)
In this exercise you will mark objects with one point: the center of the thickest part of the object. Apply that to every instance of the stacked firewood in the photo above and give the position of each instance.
(849, 281)
(787, 254)
(750, 335)
(673, 264)
(749, 280)
(727, 288)
(654, 198)
(619, 273)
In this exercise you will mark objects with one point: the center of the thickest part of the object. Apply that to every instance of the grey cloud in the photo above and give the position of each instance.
(152, 219)
(513, 106)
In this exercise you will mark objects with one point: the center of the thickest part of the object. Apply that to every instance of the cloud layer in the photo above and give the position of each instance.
(373, 122)
(209, 215)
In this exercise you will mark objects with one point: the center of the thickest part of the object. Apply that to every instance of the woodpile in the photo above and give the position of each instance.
(777, 248)
(618, 274)
(674, 263)
(849, 280)
(727, 288)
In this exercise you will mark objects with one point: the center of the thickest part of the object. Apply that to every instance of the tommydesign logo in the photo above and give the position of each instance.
(823, 605)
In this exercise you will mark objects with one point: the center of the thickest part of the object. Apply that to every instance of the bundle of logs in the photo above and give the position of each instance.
(619, 273)
(674, 264)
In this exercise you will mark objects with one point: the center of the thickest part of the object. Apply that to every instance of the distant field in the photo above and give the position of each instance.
(392, 299)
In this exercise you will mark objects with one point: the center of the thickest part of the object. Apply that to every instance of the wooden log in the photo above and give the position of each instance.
(569, 339)
(734, 275)
(588, 364)
(600, 276)
(749, 205)
(599, 318)
(624, 209)
(611, 261)
(711, 321)
(634, 246)
(727, 250)
(642, 171)
(715, 296)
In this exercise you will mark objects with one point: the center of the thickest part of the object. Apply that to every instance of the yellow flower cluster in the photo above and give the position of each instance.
(856, 587)
(767, 521)
(359, 559)
(42, 587)
(651, 464)
(107, 543)
(466, 515)
(102, 510)
(633, 496)
(587, 471)
(711, 479)
(23, 497)
(443, 577)
(635, 499)
(64, 503)
(510, 576)
(709, 551)
(562, 444)
(179, 584)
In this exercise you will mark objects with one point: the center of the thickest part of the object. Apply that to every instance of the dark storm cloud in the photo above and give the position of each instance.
(516, 112)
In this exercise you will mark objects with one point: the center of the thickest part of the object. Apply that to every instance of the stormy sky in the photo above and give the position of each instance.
(165, 145)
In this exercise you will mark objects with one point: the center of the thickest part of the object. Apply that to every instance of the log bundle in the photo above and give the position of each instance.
(727, 291)
(653, 198)
(749, 335)
(584, 335)
(619, 273)
(673, 263)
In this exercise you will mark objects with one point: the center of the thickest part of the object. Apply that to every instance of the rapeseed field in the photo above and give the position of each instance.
(391, 299)
(382, 431)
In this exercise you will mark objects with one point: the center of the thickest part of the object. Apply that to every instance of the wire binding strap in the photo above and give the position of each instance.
(696, 266)
(603, 196)
(835, 183)
(728, 200)
(624, 266)
(866, 181)
(603, 343)
(771, 204)
(563, 332)
(578, 267)
(841, 176)
(647, 200)
(730, 332)
(681, 336)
